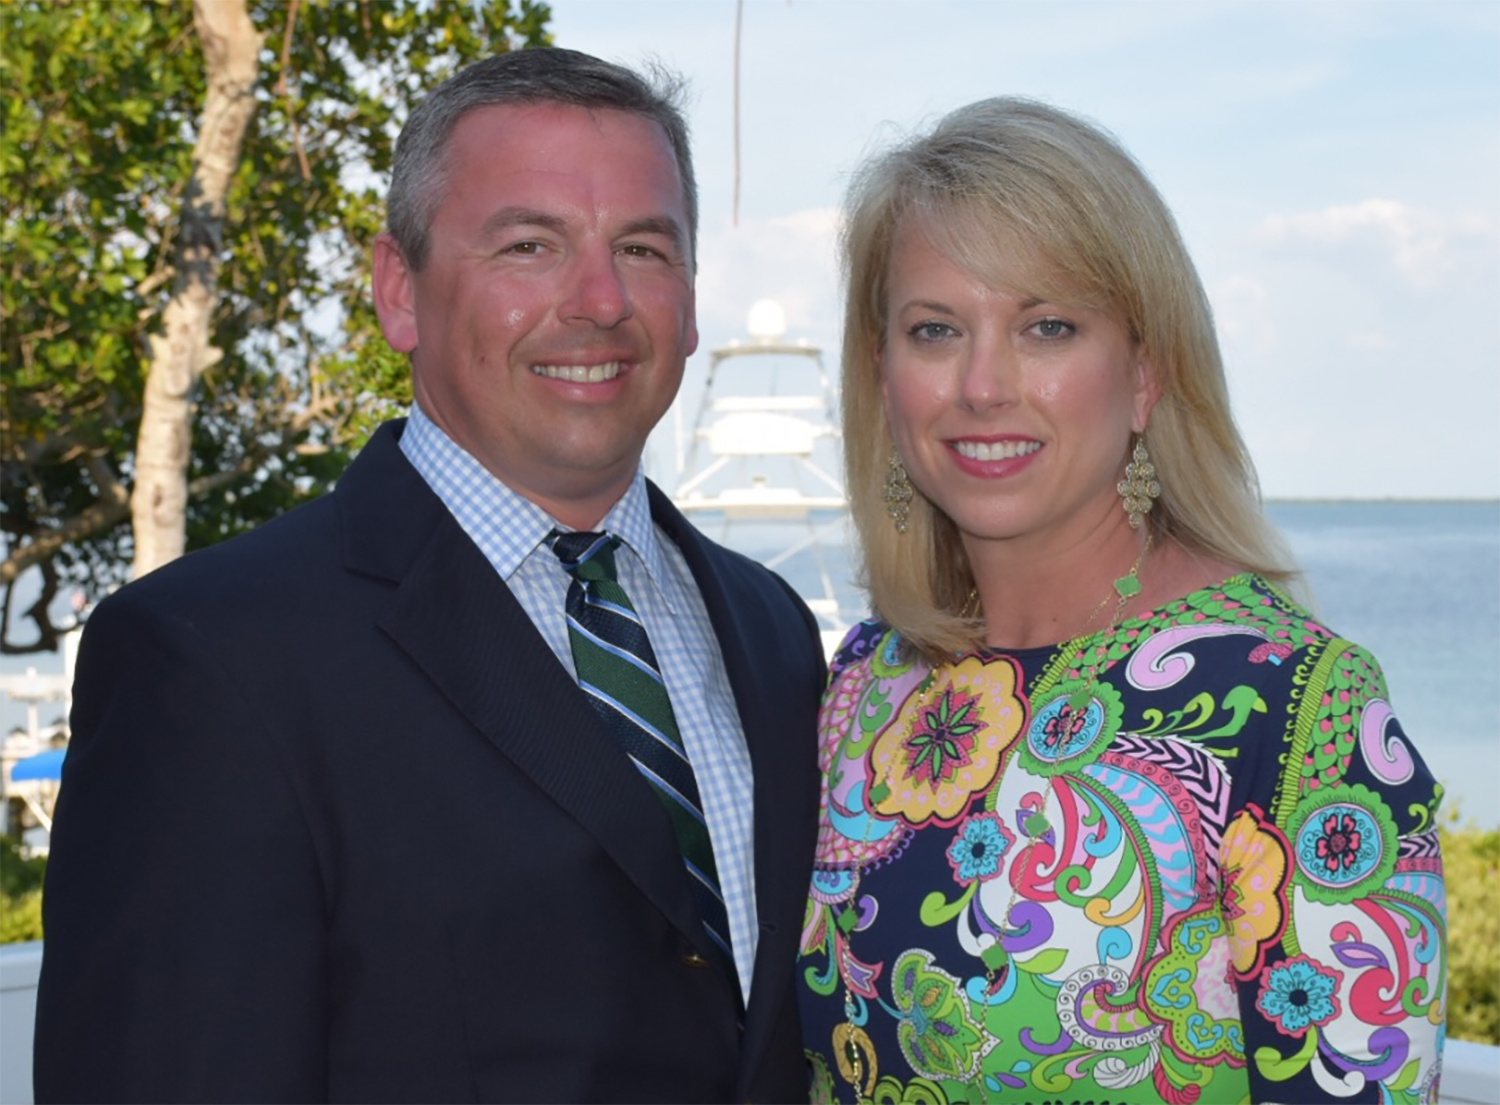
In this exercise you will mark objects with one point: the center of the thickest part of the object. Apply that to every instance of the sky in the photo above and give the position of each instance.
(1334, 168)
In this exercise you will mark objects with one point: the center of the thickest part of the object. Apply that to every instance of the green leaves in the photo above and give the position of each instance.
(99, 120)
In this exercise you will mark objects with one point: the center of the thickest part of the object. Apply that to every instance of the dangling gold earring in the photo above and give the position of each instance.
(898, 492)
(1139, 488)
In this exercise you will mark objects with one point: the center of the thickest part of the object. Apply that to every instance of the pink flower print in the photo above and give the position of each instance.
(1273, 651)
(1066, 724)
(1340, 844)
(943, 739)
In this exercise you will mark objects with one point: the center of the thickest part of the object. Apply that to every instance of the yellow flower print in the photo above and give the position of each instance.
(1254, 857)
(946, 742)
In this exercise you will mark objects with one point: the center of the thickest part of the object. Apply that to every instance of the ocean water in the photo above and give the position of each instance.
(1416, 583)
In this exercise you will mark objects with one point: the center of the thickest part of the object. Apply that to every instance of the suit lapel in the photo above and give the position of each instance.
(783, 860)
(464, 629)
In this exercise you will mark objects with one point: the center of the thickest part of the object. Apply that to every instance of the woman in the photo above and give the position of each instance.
(1107, 815)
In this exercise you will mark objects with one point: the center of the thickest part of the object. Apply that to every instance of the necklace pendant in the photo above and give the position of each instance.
(1079, 700)
(1128, 586)
(1037, 825)
(994, 957)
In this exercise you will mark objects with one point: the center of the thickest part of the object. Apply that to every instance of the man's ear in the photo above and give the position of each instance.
(395, 295)
(691, 345)
(1147, 391)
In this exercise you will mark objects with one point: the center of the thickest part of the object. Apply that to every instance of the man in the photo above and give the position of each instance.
(339, 821)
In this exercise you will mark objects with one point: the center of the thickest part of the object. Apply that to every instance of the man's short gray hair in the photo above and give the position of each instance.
(419, 171)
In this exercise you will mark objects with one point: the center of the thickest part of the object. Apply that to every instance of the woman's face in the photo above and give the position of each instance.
(1012, 414)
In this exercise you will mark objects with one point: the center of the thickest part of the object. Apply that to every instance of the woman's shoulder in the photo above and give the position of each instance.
(1248, 631)
(1325, 693)
(1241, 601)
(1251, 630)
(860, 643)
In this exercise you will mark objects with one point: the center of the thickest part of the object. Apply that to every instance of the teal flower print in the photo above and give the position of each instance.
(977, 851)
(1339, 845)
(1345, 841)
(1297, 993)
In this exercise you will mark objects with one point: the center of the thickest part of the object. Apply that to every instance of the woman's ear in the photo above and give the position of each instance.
(1146, 392)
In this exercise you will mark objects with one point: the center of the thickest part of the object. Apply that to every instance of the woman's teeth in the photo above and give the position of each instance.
(996, 450)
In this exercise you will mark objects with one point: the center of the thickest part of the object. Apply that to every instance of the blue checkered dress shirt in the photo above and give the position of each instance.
(509, 530)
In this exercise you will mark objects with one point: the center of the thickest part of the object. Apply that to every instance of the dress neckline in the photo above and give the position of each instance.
(990, 652)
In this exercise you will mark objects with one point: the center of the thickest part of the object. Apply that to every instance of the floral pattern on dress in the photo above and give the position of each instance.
(950, 744)
(1256, 867)
(1298, 993)
(980, 847)
(1072, 728)
(938, 1034)
(1208, 874)
(1344, 840)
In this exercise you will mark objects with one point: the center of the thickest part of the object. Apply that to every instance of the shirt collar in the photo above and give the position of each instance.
(630, 521)
(507, 526)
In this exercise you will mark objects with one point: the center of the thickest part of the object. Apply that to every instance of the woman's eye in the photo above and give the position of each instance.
(1053, 328)
(932, 331)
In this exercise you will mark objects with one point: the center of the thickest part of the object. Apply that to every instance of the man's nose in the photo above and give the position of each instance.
(596, 293)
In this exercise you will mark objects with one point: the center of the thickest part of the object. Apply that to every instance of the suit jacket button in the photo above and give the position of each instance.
(691, 958)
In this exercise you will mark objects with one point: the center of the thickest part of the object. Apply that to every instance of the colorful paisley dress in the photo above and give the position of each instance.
(1211, 877)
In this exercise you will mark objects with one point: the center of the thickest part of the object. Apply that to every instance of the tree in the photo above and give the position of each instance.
(178, 356)
(103, 112)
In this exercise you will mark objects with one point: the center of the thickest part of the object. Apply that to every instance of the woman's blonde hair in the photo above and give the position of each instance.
(1020, 192)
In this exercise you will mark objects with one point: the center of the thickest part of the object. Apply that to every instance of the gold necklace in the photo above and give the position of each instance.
(994, 956)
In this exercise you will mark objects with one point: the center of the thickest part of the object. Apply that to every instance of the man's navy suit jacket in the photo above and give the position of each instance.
(336, 825)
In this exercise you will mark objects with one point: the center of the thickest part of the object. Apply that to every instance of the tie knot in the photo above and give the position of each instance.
(589, 557)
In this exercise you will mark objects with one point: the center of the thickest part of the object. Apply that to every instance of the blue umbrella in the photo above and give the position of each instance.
(45, 765)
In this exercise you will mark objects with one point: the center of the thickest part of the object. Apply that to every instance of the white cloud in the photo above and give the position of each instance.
(1423, 246)
(1241, 314)
(1352, 326)
(788, 258)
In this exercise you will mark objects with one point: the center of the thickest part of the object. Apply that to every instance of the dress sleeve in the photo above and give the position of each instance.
(858, 643)
(1333, 889)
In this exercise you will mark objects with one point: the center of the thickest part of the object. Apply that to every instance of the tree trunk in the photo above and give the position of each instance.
(179, 355)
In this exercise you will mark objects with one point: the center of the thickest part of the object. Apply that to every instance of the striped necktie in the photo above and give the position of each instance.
(617, 669)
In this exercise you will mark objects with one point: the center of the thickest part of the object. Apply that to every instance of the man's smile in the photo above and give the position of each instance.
(579, 374)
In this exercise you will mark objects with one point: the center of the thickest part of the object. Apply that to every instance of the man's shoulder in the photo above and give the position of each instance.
(291, 560)
(275, 556)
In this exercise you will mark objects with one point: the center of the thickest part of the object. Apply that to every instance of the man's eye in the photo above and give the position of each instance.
(637, 250)
(526, 249)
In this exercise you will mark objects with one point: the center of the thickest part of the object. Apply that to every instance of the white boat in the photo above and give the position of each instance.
(756, 464)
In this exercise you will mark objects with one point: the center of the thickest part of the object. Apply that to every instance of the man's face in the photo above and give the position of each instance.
(551, 323)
